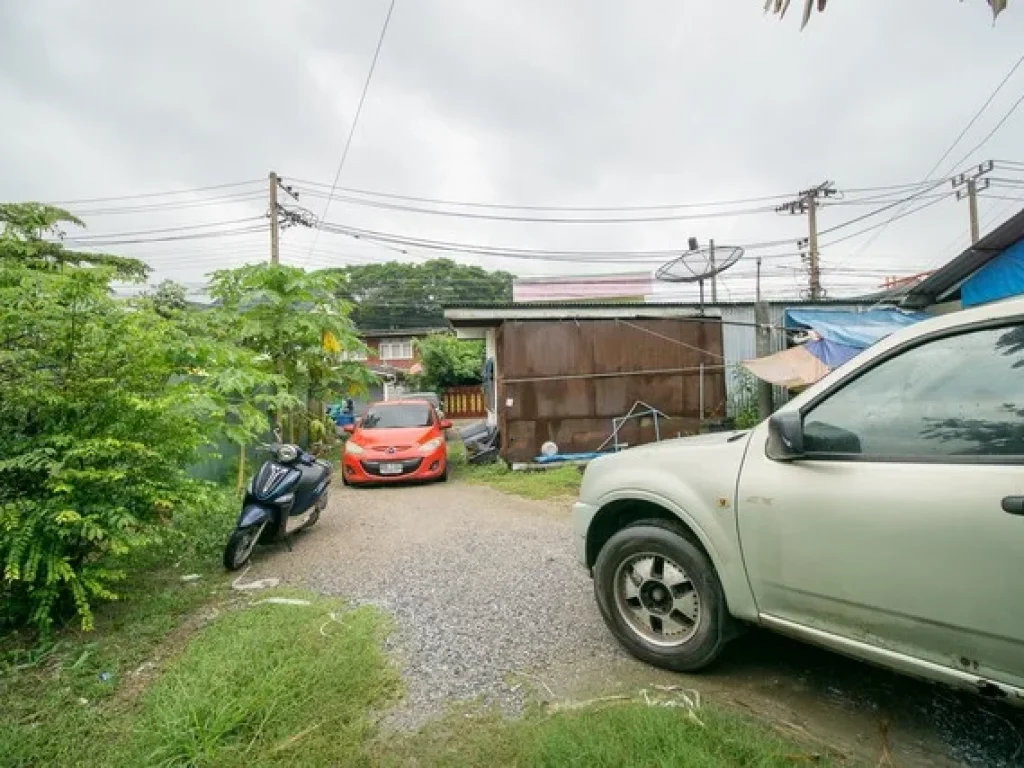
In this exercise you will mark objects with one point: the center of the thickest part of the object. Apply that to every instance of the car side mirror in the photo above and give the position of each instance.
(446, 424)
(785, 436)
(350, 428)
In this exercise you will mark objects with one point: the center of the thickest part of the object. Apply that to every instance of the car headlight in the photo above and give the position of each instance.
(431, 445)
(354, 449)
(287, 453)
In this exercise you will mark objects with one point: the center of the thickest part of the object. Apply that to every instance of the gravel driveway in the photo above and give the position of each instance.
(490, 604)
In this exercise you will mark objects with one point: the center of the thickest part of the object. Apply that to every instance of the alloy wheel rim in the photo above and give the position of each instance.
(657, 599)
(246, 547)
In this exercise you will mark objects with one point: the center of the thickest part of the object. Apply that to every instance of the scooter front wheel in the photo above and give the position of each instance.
(240, 547)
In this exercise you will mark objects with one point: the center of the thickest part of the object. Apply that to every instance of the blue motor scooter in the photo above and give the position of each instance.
(287, 494)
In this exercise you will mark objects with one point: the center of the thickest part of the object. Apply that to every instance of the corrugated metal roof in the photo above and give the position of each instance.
(651, 305)
(394, 332)
(948, 279)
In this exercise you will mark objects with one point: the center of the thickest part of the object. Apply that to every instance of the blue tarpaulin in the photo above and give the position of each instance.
(999, 279)
(851, 329)
(830, 353)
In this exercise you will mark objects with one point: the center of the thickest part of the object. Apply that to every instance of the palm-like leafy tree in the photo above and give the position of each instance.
(781, 6)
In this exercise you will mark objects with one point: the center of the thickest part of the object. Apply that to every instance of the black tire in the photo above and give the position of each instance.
(344, 480)
(444, 475)
(659, 537)
(240, 548)
(321, 505)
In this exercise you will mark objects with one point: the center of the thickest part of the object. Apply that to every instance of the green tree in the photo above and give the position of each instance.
(104, 406)
(399, 295)
(448, 362)
(296, 324)
(31, 235)
(169, 298)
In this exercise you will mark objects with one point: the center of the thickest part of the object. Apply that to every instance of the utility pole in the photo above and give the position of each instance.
(807, 203)
(714, 277)
(762, 318)
(757, 287)
(275, 232)
(969, 184)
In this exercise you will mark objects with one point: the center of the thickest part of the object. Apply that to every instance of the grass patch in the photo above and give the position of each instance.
(560, 482)
(270, 685)
(259, 685)
(627, 735)
(63, 699)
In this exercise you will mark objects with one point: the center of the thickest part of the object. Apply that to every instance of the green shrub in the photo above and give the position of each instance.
(104, 404)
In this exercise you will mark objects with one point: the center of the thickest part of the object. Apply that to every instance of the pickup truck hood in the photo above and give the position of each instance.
(696, 441)
(705, 465)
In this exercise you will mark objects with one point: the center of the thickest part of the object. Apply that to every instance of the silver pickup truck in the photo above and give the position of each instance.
(879, 514)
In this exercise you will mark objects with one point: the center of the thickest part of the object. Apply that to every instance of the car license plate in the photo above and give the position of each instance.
(391, 469)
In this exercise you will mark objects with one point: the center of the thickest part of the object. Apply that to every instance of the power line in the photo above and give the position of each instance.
(152, 194)
(310, 188)
(172, 238)
(355, 119)
(540, 219)
(180, 228)
(959, 138)
(170, 206)
(974, 119)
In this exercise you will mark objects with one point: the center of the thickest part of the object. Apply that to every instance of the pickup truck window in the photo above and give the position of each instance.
(957, 396)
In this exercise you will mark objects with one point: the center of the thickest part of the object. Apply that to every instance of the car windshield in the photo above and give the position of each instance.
(430, 397)
(401, 416)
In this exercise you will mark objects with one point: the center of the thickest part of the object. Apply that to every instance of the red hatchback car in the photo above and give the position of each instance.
(396, 441)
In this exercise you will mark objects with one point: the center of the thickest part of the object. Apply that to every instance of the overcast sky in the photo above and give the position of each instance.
(543, 103)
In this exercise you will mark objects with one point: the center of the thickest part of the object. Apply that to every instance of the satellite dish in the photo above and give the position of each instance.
(699, 264)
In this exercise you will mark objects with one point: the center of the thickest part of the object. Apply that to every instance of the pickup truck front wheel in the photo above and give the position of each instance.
(660, 596)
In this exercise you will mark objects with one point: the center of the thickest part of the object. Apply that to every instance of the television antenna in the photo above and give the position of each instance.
(699, 264)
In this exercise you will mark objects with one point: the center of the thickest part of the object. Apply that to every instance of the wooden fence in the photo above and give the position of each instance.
(464, 402)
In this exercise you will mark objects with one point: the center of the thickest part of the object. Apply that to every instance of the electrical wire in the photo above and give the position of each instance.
(544, 219)
(171, 206)
(311, 185)
(355, 119)
(959, 138)
(180, 228)
(191, 190)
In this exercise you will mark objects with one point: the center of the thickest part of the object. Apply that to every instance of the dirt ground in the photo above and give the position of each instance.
(490, 605)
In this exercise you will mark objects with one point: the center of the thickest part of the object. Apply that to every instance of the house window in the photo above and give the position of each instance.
(396, 349)
(355, 356)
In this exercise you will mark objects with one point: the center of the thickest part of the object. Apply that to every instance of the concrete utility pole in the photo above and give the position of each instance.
(807, 203)
(968, 185)
(275, 230)
(765, 400)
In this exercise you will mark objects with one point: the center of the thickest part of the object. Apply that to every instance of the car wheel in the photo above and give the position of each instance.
(660, 596)
(444, 475)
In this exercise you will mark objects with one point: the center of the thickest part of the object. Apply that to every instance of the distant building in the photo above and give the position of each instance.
(392, 355)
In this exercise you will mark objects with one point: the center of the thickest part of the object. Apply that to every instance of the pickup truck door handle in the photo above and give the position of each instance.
(1014, 505)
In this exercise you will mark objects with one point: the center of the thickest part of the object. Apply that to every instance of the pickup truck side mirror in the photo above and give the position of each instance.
(785, 436)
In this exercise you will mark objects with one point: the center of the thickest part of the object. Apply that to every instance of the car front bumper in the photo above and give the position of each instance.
(582, 515)
(361, 470)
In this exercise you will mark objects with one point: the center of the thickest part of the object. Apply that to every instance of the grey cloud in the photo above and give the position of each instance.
(565, 102)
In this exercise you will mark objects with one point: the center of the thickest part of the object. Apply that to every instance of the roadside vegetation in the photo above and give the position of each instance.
(194, 673)
(598, 736)
(556, 483)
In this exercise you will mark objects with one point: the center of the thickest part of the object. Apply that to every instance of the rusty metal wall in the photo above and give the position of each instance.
(562, 380)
